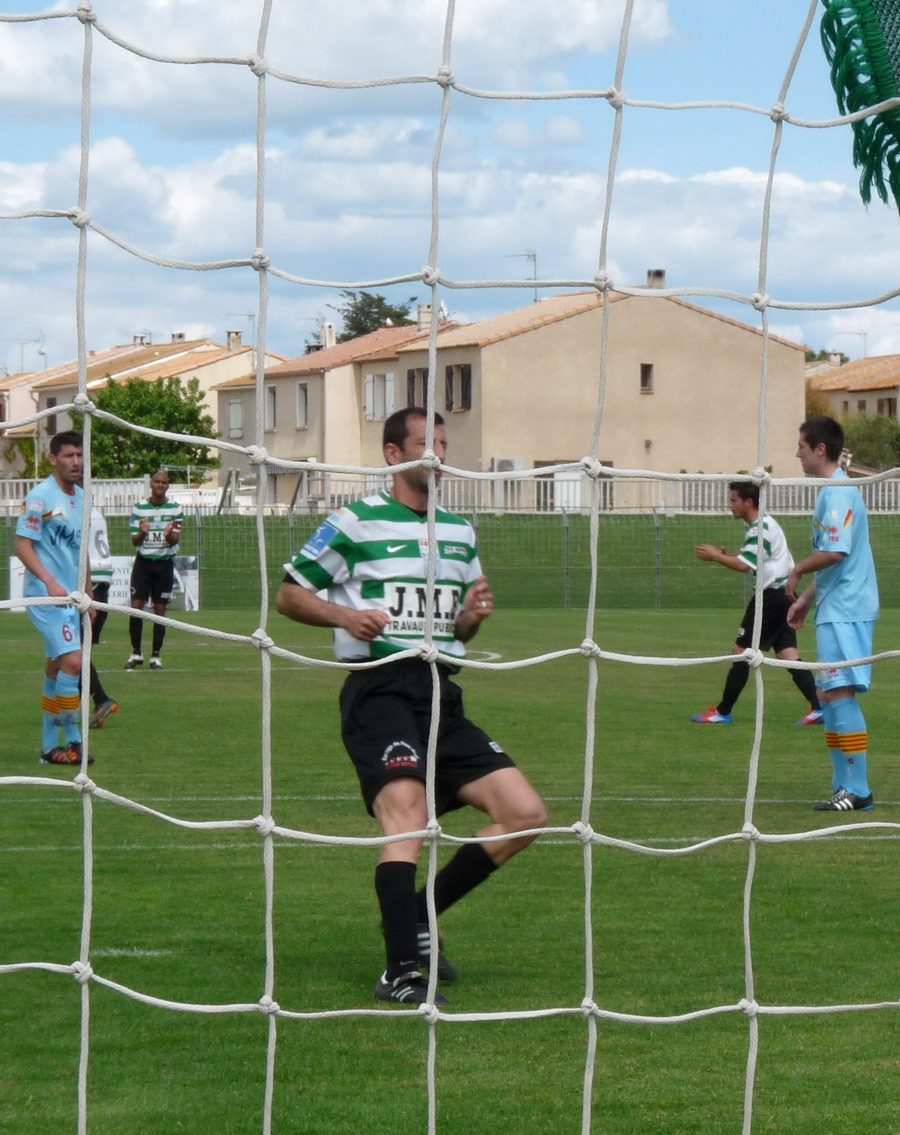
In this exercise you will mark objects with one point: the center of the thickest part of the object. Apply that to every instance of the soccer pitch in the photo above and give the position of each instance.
(178, 914)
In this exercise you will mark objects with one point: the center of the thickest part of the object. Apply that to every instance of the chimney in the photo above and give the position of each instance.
(327, 335)
(423, 316)
(140, 340)
(834, 357)
(235, 340)
(656, 277)
(177, 336)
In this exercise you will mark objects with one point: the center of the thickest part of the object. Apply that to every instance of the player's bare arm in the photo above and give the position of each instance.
(711, 554)
(477, 606)
(172, 533)
(27, 554)
(305, 606)
(818, 561)
(137, 538)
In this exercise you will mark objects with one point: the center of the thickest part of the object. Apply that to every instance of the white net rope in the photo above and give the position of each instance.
(263, 262)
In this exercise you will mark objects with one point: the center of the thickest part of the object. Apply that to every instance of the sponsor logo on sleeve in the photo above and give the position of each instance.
(319, 541)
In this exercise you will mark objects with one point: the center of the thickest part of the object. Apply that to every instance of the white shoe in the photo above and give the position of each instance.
(134, 661)
(156, 662)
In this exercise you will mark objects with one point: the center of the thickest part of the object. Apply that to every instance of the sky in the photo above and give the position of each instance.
(522, 183)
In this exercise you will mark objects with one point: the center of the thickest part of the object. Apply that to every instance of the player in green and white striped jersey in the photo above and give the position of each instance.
(775, 633)
(372, 559)
(155, 532)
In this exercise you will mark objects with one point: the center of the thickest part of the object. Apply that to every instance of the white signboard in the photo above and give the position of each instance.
(185, 595)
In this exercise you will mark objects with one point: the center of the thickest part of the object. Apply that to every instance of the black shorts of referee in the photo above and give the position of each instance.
(385, 720)
(775, 634)
(152, 579)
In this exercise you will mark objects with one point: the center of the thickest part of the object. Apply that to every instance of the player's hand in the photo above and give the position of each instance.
(144, 526)
(796, 616)
(791, 586)
(366, 625)
(479, 600)
(707, 552)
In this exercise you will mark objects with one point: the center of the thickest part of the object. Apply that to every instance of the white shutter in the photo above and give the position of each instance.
(388, 395)
(369, 396)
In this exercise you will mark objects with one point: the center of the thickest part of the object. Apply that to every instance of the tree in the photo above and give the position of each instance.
(873, 440)
(362, 312)
(824, 356)
(167, 404)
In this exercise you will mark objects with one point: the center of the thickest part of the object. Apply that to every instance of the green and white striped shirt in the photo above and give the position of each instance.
(373, 555)
(154, 546)
(779, 563)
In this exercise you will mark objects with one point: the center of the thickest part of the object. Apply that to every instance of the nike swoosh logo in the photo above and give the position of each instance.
(395, 548)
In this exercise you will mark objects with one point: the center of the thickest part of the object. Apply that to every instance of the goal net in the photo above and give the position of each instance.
(256, 251)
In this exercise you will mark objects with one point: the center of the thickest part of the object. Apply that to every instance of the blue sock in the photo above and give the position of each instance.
(50, 722)
(834, 747)
(850, 726)
(68, 694)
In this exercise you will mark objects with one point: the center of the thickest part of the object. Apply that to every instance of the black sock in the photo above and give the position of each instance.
(159, 633)
(135, 633)
(98, 694)
(395, 886)
(806, 684)
(470, 866)
(734, 685)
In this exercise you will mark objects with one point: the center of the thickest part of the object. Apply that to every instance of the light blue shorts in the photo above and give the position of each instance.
(839, 642)
(60, 629)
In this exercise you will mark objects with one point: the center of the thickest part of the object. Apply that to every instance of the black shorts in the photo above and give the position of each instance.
(775, 634)
(385, 718)
(152, 579)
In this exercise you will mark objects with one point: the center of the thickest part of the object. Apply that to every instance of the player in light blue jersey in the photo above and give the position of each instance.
(372, 559)
(845, 592)
(48, 539)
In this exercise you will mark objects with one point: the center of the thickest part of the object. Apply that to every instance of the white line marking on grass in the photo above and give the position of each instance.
(132, 952)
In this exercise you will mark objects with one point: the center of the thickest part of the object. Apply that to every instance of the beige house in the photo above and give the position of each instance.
(865, 386)
(204, 359)
(520, 392)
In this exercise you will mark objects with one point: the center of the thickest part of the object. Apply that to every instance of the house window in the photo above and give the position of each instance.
(887, 407)
(465, 387)
(424, 374)
(235, 418)
(861, 406)
(448, 389)
(51, 420)
(410, 388)
(845, 406)
(271, 393)
(302, 405)
(379, 396)
(646, 378)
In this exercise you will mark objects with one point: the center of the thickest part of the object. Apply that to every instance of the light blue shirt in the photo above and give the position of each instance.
(51, 519)
(846, 592)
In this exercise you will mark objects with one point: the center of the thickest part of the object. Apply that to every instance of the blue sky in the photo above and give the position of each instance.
(348, 172)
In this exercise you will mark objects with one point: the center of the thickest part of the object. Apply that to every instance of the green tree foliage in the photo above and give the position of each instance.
(167, 404)
(824, 354)
(873, 440)
(362, 312)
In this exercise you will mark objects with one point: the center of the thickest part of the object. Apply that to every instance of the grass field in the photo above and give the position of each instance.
(178, 914)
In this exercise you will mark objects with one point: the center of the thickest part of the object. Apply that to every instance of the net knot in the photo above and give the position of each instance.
(760, 476)
(82, 972)
(589, 648)
(84, 13)
(588, 1008)
(592, 467)
(261, 640)
(83, 404)
(259, 261)
(753, 657)
(268, 1006)
(444, 76)
(602, 282)
(428, 652)
(430, 1012)
(81, 600)
(751, 1008)
(778, 113)
(760, 300)
(431, 276)
(83, 783)
(79, 218)
(750, 832)
(258, 65)
(584, 831)
(265, 825)
(615, 97)
(258, 454)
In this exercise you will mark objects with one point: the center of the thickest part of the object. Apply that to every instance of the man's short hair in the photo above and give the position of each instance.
(396, 427)
(822, 430)
(746, 490)
(67, 437)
